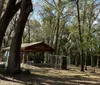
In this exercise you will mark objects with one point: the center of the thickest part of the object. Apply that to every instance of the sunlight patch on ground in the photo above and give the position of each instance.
(51, 76)
(82, 81)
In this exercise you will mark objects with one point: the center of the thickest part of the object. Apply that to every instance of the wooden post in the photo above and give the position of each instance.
(25, 57)
(60, 61)
(56, 62)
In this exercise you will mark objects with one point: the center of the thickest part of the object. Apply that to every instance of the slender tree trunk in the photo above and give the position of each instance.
(11, 9)
(29, 34)
(14, 58)
(57, 35)
(80, 35)
(58, 25)
(86, 55)
(92, 60)
(98, 61)
(76, 60)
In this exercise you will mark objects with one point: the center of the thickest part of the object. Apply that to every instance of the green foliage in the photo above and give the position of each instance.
(68, 42)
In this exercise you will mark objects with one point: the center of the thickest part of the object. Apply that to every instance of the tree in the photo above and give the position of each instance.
(11, 9)
(10, 31)
(14, 58)
(54, 20)
(80, 35)
(1, 6)
(33, 32)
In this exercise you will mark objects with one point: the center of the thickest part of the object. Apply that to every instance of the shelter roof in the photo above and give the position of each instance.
(35, 47)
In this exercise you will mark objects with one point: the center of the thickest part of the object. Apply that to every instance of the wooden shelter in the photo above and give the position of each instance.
(32, 47)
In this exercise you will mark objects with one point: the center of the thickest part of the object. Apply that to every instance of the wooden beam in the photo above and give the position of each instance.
(25, 57)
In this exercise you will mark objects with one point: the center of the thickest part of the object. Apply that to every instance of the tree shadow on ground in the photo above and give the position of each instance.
(36, 79)
(42, 65)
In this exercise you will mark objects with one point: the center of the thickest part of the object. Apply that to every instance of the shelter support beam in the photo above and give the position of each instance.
(25, 57)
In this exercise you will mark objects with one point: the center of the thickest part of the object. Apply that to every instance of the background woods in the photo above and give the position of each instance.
(70, 26)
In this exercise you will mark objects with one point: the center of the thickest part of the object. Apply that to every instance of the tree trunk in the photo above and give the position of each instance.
(11, 9)
(58, 26)
(86, 55)
(98, 61)
(29, 33)
(57, 35)
(92, 60)
(76, 60)
(1, 6)
(80, 35)
(82, 60)
(14, 58)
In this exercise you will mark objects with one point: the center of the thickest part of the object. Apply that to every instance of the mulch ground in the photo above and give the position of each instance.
(51, 76)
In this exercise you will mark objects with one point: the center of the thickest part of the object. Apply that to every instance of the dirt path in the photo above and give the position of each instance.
(50, 76)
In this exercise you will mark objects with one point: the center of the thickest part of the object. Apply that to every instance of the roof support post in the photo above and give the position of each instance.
(25, 57)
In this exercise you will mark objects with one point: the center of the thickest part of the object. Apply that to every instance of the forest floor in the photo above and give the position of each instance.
(51, 76)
